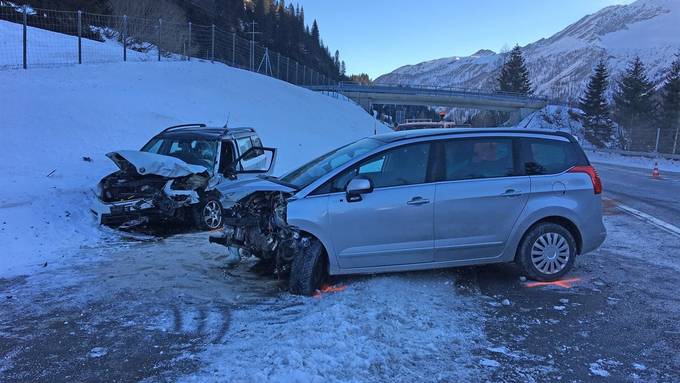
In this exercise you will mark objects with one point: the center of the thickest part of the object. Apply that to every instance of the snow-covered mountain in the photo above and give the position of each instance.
(559, 65)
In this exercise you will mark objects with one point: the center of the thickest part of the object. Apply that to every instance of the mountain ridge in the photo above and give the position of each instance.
(559, 65)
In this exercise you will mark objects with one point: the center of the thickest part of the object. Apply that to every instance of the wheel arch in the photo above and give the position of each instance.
(324, 247)
(559, 220)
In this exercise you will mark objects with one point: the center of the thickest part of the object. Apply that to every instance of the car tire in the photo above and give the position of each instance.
(308, 270)
(547, 252)
(208, 214)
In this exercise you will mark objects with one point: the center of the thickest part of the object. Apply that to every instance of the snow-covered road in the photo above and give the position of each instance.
(168, 310)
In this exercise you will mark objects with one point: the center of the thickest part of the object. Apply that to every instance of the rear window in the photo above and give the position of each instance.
(550, 156)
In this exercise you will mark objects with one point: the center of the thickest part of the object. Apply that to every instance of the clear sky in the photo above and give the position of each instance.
(378, 36)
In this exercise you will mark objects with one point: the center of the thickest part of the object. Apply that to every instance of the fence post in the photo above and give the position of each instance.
(287, 68)
(675, 142)
(189, 50)
(212, 45)
(25, 19)
(296, 72)
(80, 37)
(233, 49)
(278, 65)
(124, 37)
(304, 74)
(658, 133)
(160, 36)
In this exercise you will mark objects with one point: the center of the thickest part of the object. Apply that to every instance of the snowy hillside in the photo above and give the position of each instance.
(53, 118)
(559, 65)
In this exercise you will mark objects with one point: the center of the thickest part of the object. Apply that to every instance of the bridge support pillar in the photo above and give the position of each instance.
(517, 116)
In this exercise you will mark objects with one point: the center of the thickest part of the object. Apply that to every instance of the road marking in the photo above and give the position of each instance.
(646, 217)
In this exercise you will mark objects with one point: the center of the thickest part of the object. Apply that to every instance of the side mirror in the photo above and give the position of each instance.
(356, 187)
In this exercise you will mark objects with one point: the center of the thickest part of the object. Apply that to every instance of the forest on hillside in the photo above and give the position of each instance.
(279, 26)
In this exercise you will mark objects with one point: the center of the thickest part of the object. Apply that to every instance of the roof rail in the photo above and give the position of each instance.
(235, 130)
(182, 126)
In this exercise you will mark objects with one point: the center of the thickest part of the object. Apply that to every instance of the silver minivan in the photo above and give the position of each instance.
(424, 199)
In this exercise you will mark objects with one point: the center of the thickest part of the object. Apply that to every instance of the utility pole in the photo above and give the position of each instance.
(252, 34)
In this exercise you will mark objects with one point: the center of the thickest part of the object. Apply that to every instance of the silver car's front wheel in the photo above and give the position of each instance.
(547, 251)
(550, 253)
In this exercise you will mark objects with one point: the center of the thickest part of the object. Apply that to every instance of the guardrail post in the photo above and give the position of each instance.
(189, 50)
(287, 68)
(233, 49)
(296, 72)
(675, 142)
(160, 37)
(278, 65)
(80, 37)
(304, 74)
(124, 37)
(212, 45)
(25, 19)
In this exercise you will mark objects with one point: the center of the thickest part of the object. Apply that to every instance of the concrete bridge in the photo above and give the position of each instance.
(367, 95)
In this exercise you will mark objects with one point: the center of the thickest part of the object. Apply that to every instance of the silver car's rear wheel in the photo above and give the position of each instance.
(547, 251)
(550, 253)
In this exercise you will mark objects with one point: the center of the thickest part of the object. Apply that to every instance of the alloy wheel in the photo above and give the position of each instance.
(212, 215)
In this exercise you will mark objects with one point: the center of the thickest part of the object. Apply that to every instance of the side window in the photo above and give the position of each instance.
(405, 165)
(257, 143)
(243, 145)
(478, 158)
(548, 156)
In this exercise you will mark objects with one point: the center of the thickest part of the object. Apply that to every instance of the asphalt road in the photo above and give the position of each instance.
(163, 310)
(634, 187)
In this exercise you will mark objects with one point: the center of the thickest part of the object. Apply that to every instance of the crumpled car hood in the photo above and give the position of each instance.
(151, 163)
(235, 191)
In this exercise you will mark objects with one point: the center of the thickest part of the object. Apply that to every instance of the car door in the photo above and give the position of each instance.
(481, 194)
(393, 224)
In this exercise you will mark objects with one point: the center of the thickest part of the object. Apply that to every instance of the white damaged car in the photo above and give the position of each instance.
(178, 176)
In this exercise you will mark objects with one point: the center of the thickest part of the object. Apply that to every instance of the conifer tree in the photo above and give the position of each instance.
(597, 121)
(514, 75)
(670, 108)
(634, 107)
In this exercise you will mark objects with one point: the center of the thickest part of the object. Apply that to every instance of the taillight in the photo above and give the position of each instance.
(594, 177)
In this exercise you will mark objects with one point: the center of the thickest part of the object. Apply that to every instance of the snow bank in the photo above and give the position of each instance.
(557, 117)
(53, 118)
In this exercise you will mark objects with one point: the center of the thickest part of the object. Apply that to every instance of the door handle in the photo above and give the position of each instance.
(512, 193)
(418, 201)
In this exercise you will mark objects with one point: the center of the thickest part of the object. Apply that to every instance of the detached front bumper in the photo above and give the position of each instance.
(110, 213)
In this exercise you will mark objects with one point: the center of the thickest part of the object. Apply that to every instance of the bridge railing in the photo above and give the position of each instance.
(424, 89)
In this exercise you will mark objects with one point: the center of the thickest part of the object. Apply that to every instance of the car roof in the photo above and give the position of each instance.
(202, 131)
(420, 133)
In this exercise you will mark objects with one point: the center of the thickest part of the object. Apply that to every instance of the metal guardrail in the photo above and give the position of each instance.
(632, 153)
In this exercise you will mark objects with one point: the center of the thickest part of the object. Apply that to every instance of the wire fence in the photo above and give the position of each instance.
(33, 37)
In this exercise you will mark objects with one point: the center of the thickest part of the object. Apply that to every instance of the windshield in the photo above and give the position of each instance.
(191, 151)
(317, 168)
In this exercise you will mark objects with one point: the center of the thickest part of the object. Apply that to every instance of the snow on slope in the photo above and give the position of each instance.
(47, 48)
(560, 65)
(52, 118)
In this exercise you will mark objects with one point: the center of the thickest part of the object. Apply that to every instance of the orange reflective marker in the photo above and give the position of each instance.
(329, 289)
(566, 283)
